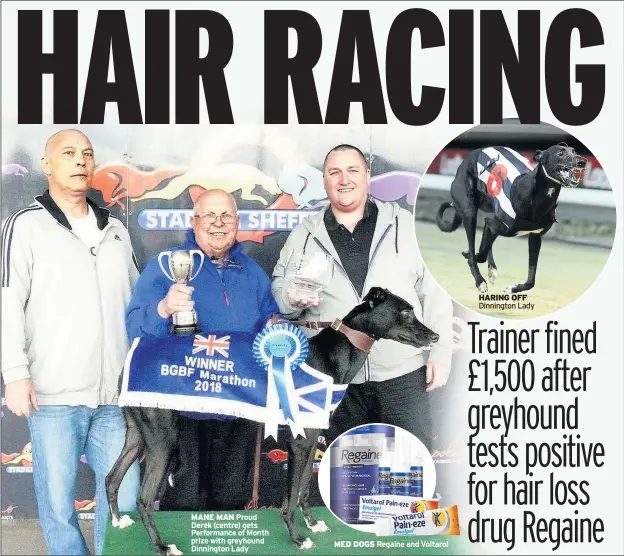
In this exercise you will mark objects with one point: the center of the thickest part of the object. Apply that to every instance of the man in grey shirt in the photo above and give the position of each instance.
(67, 274)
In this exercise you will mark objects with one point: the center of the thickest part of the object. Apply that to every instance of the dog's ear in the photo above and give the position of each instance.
(537, 157)
(375, 296)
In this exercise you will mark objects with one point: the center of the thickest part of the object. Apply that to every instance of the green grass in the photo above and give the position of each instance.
(564, 272)
(175, 528)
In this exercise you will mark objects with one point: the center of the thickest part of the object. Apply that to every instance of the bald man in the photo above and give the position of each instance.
(67, 274)
(231, 292)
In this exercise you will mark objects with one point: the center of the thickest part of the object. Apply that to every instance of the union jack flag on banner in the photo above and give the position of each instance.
(212, 344)
(162, 372)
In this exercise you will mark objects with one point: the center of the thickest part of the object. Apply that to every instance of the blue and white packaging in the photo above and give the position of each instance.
(400, 471)
(354, 470)
(416, 476)
(385, 467)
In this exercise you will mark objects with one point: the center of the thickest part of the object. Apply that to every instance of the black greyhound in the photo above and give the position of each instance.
(522, 200)
(339, 351)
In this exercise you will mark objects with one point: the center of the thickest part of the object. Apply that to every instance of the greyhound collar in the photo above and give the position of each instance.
(358, 339)
(550, 177)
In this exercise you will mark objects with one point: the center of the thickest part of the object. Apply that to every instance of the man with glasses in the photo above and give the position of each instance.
(231, 292)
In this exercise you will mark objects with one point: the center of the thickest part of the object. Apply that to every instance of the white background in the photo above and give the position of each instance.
(601, 406)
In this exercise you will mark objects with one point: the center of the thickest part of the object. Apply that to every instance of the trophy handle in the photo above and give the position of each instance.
(200, 254)
(160, 258)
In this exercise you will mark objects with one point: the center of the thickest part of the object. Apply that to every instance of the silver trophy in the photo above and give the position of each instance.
(179, 268)
(309, 273)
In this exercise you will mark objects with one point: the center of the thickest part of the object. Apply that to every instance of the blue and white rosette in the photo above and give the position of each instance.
(279, 349)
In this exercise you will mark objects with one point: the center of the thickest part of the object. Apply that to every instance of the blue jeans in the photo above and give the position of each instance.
(60, 435)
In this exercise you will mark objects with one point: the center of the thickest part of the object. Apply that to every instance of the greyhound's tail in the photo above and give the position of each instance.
(447, 226)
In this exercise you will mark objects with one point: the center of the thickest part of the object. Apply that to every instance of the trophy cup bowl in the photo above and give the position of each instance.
(308, 273)
(179, 268)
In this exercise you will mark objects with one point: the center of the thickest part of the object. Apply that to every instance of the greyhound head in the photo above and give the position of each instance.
(387, 316)
(561, 164)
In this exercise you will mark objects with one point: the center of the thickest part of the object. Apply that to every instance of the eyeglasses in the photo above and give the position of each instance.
(210, 218)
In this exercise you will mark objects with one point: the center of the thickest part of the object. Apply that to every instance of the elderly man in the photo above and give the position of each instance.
(231, 292)
(67, 275)
(372, 244)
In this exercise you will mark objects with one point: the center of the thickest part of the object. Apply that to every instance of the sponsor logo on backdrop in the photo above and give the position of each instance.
(18, 462)
(287, 198)
(280, 456)
(7, 513)
(13, 170)
(317, 460)
(277, 456)
(85, 509)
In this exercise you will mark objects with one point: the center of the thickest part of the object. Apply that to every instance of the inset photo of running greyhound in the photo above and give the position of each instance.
(533, 194)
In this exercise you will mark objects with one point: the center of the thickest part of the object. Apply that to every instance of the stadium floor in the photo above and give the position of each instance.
(22, 537)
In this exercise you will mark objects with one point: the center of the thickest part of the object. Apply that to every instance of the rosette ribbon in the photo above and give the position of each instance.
(280, 349)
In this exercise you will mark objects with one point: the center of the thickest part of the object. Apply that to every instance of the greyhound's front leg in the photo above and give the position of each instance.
(158, 457)
(490, 233)
(132, 448)
(492, 268)
(535, 244)
(469, 218)
(298, 455)
(304, 491)
(487, 241)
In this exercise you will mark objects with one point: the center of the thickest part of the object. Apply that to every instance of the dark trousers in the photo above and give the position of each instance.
(215, 469)
(402, 402)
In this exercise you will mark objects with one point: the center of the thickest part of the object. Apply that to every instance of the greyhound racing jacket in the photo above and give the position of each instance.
(394, 263)
(63, 304)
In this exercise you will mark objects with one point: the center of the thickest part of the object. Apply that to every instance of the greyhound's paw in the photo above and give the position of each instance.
(173, 550)
(492, 274)
(123, 522)
(482, 287)
(511, 288)
(306, 544)
(465, 254)
(319, 527)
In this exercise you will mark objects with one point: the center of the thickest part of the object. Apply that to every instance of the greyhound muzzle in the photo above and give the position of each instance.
(571, 168)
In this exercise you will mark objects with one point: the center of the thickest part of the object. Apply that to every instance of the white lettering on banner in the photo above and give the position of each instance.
(209, 364)
(176, 370)
(233, 380)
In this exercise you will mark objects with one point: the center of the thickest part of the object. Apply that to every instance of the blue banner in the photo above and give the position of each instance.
(262, 378)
